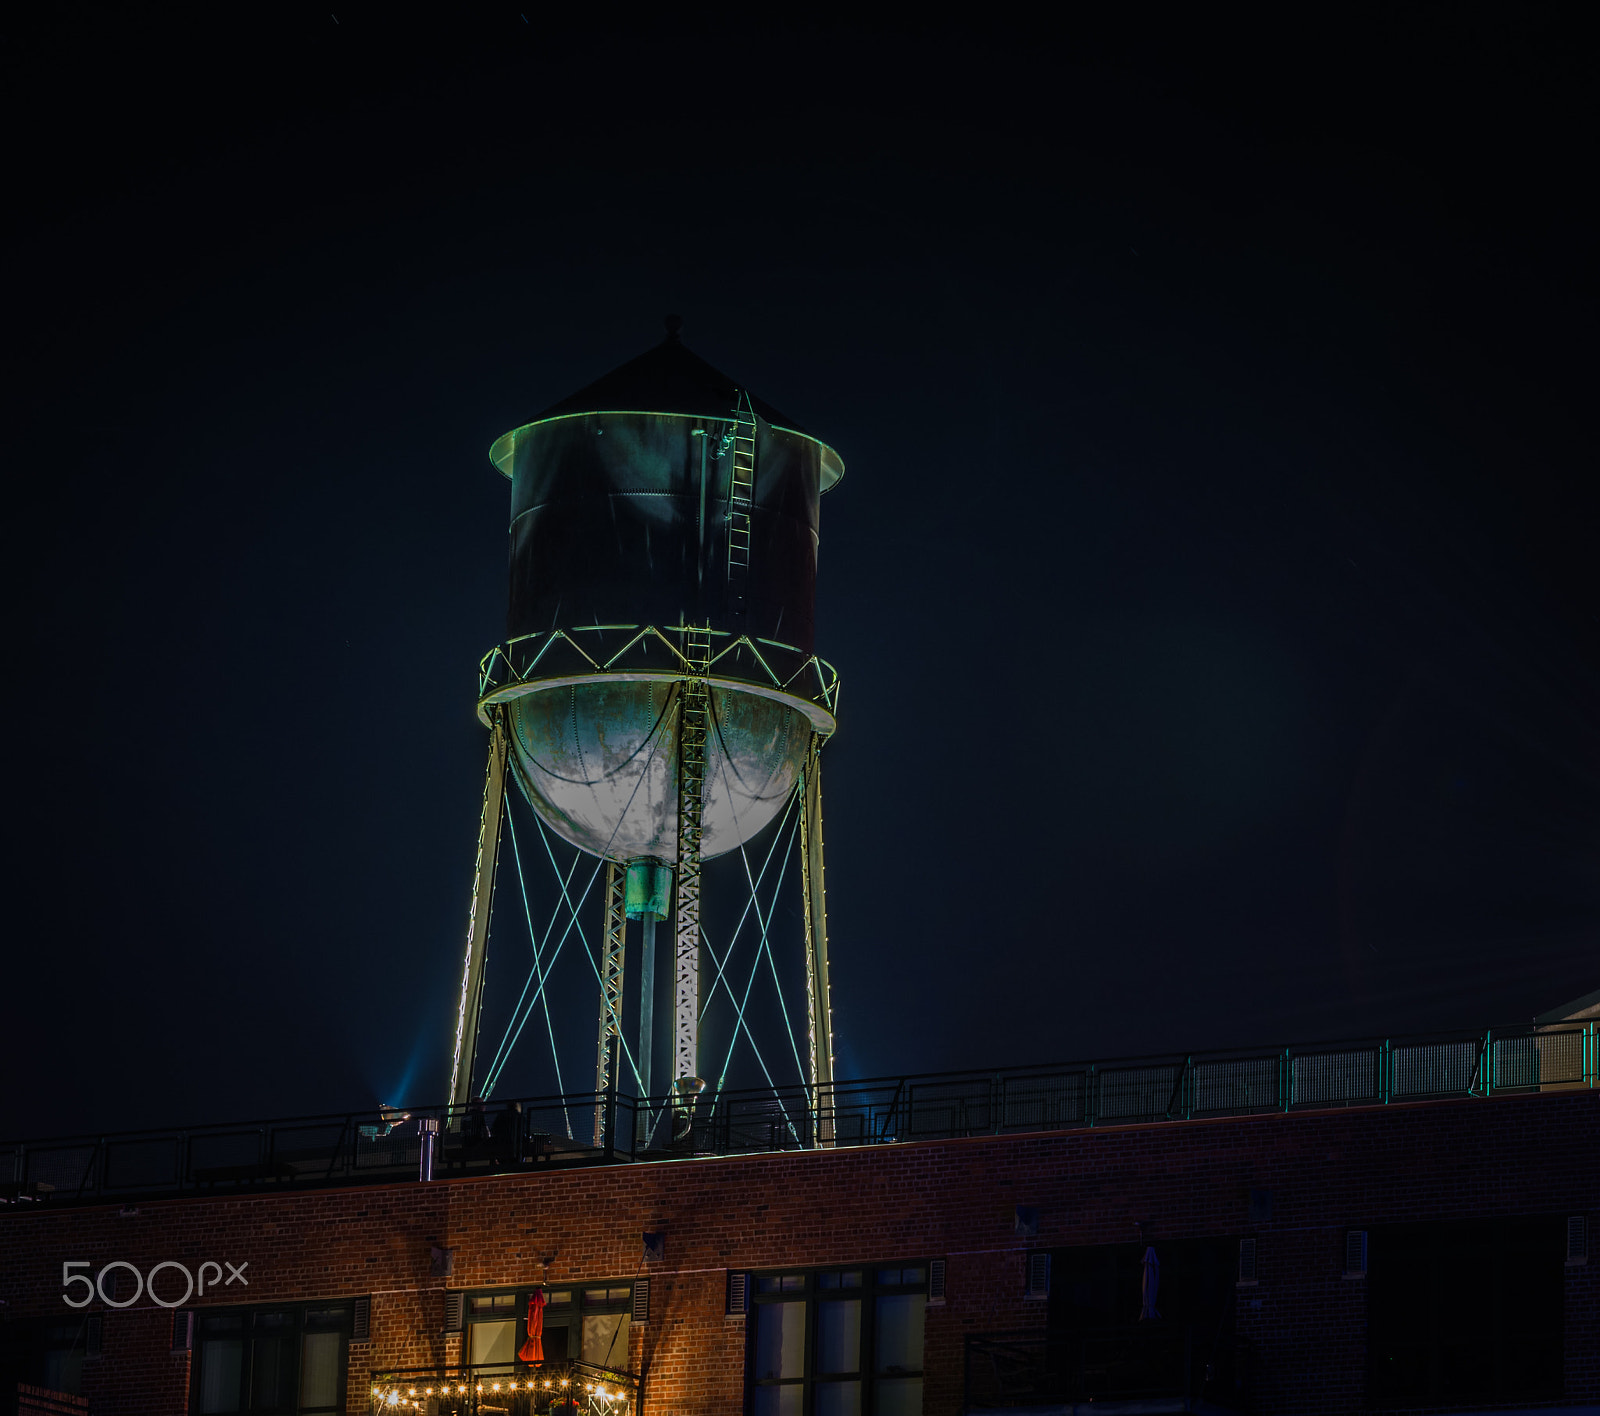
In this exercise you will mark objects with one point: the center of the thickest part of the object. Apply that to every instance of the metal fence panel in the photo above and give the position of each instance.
(1560, 1057)
(1136, 1093)
(1043, 1103)
(1334, 1078)
(67, 1170)
(228, 1150)
(143, 1165)
(936, 1110)
(1236, 1086)
(391, 1152)
(560, 1119)
(307, 1150)
(1517, 1063)
(763, 1124)
(1433, 1069)
(863, 1114)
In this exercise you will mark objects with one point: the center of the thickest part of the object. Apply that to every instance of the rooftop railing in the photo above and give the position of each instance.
(589, 1128)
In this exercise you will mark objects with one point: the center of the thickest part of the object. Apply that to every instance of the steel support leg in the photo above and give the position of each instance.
(470, 1006)
(647, 999)
(694, 715)
(612, 945)
(819, 998)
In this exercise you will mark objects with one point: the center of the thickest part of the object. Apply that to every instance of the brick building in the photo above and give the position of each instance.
(1404, 1255)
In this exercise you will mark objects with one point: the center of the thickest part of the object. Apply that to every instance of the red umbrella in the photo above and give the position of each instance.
(533, 1349)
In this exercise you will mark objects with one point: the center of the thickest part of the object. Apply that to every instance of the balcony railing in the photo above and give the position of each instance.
(592, 1128)
(503, 1389)
(1152, 1363)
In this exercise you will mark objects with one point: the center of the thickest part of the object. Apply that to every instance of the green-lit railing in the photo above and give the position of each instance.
(559, 1131)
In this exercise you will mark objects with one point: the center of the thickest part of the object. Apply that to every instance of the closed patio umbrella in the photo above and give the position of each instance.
(1149, 1282)
(533, 1349)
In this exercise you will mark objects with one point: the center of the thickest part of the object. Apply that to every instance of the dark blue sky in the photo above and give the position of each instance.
(1212, 579)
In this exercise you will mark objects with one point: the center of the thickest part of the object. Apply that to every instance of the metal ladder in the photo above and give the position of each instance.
(741, 499)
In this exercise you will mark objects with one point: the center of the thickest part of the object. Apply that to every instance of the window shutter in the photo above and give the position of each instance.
(1355, 1253)
(738, 1293)
(641, 1300)
(1578, 1240)
(1247, 1261)
(182, 1330)
(94, 1333)
(454, 1309)
(361, 1324)
(1038, 1274)
(936, 1281)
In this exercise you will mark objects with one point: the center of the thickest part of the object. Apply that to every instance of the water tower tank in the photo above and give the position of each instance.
(660, 500)
(658, 697)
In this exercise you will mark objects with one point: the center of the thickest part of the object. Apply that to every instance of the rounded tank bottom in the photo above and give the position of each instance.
(598, 761)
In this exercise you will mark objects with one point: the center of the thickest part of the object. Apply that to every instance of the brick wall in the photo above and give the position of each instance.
(1327, 1172)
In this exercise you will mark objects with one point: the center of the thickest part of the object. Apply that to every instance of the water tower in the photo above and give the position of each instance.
(658, 699)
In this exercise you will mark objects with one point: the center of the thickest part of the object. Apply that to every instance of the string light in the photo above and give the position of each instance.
(406, 1396)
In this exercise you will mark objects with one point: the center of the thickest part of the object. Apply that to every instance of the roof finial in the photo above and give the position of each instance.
(674, 324)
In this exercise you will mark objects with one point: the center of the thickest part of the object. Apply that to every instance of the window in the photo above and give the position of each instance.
(1097, 1295)
(583, 1324)
(63, 1348)
(837, 1342)
(1465, 1312)
(284, 1360)
(606, 1316)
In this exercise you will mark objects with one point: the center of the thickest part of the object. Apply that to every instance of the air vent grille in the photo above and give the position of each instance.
(1578, 1239)
(361, 1321)
(1038, 1274)
(1247, 1261)
(182, 1330)
(641, 1300)
(738, 1294)
(936, 1281)
(454, 1308)
(1355, 1253)
(94, 1335)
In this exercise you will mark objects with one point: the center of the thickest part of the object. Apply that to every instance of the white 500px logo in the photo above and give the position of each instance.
(97, 1284)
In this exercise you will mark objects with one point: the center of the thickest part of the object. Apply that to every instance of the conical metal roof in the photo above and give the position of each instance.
(667, 379)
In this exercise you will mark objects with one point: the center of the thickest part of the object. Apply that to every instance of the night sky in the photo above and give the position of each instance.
(1213, 579)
